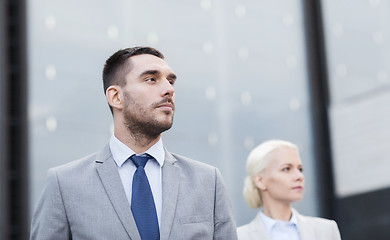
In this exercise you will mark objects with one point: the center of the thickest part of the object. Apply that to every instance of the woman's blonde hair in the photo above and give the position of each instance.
(256, 162)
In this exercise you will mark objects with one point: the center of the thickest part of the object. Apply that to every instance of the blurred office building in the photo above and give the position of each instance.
(316, 73)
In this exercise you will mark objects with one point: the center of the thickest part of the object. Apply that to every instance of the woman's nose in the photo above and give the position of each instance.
(299, 174)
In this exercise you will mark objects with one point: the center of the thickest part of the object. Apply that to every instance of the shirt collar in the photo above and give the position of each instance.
(121, 152)
(270, 222)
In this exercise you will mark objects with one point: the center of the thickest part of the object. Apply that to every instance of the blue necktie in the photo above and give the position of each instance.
(142, 202)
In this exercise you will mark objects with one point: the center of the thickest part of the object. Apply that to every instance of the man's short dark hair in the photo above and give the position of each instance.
(115, 68)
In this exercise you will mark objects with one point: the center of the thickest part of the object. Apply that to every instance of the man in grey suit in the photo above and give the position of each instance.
(94, 197)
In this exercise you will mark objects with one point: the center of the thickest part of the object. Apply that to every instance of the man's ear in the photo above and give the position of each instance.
(114, 97)
(259, 181)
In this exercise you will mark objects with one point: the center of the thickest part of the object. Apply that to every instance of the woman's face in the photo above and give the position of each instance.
(282, 180)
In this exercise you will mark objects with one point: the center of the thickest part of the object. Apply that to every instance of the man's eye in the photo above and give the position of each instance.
(150, 80)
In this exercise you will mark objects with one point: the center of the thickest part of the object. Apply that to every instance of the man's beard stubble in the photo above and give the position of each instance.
(140, 124)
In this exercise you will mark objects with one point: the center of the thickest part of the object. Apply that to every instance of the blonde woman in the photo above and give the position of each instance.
(275, 180)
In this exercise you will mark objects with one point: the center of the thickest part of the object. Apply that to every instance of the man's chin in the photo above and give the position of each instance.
(166, 122)
(166, 127)
(162, 126)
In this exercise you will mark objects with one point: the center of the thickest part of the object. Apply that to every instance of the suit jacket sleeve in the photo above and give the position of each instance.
(49, 220)
(224, 223)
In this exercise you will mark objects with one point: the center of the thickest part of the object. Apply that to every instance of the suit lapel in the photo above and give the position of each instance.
(258, 229)
(170, 191)
(111, 181)
(305, 230)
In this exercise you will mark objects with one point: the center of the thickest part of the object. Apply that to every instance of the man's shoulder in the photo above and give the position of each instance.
(86, 162)
(75, 166)
(191, 163)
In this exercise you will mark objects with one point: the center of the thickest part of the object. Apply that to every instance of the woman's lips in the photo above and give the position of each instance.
(299, 188)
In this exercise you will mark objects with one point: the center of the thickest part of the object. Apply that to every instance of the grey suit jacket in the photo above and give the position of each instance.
(310, 228)
(85, 199)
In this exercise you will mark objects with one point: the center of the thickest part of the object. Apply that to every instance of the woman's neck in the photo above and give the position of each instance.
(277, 210)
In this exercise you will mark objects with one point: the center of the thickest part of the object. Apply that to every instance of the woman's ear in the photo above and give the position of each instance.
(259, 181)
(114, 97)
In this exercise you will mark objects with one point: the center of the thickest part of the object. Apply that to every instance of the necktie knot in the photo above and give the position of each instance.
(140, 160)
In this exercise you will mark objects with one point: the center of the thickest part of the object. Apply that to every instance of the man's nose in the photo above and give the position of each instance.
(168, 88)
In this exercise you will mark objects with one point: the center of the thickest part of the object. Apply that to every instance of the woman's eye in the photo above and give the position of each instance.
(285, 169)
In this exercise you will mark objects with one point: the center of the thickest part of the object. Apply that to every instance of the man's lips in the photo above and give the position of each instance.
(166, 105)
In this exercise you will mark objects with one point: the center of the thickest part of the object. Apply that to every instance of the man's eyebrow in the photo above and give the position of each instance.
(172, 76)
(149, 72)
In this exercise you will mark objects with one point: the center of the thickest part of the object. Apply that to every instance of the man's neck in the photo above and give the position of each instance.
(138, 143)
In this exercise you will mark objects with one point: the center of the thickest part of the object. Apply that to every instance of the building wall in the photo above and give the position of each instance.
(242, 79)
(357, 41)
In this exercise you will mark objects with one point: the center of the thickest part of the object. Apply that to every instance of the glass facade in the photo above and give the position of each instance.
(358, 59)
(358, 53)
(242, 79)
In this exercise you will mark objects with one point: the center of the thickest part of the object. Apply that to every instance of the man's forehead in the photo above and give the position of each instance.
(148, 62)
(145, 59)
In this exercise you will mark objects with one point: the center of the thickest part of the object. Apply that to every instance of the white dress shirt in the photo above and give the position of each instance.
(126, 168)
(281, 230)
